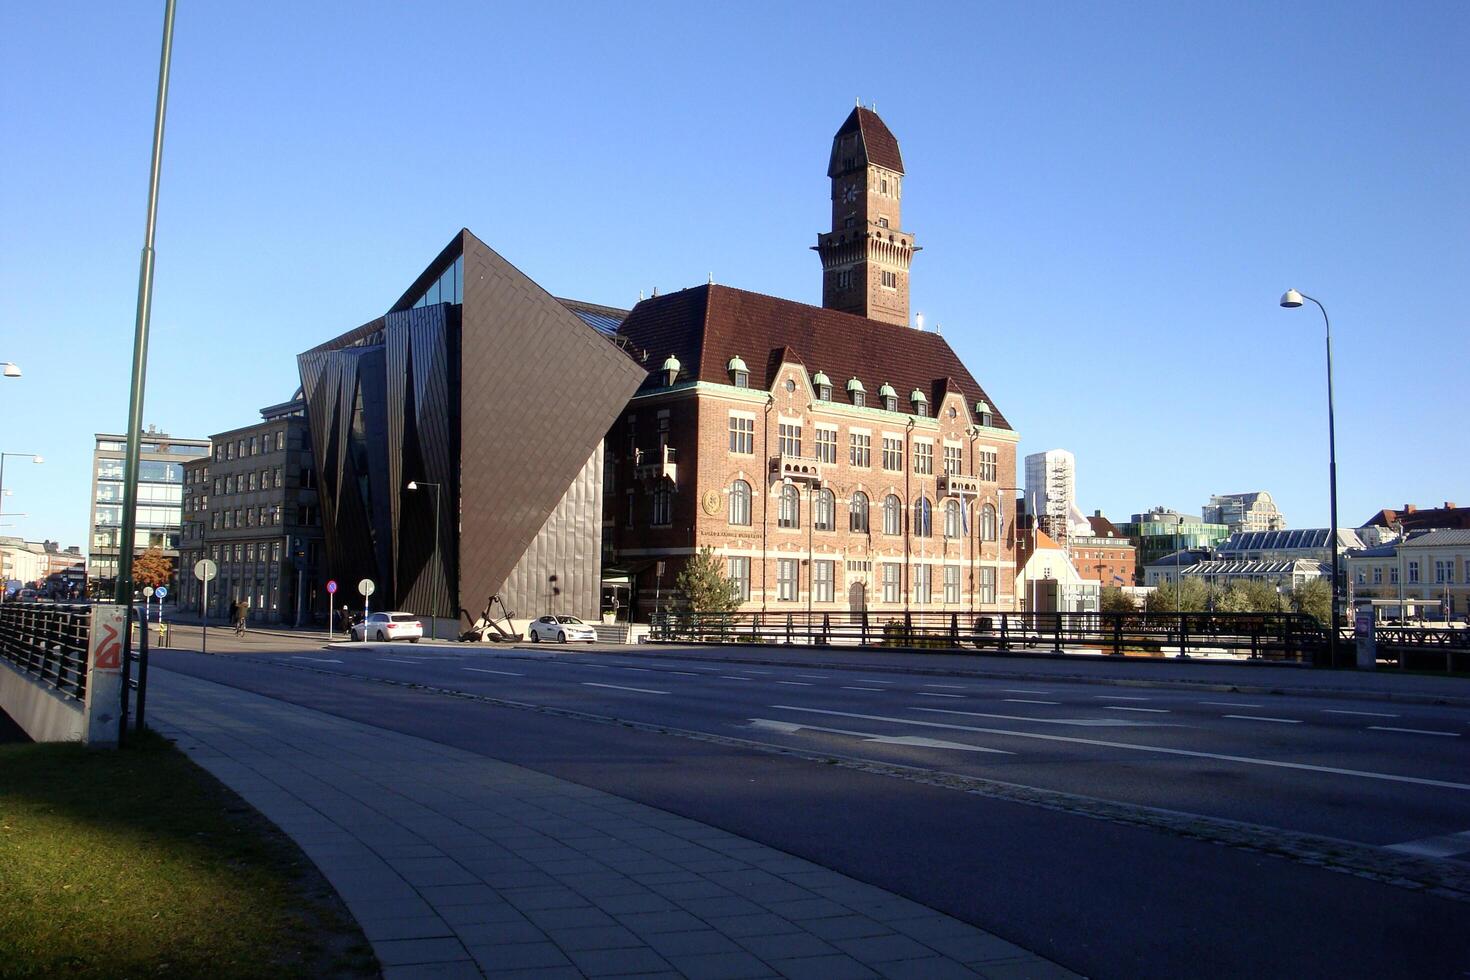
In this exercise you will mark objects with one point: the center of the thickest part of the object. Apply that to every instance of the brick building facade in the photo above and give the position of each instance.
(834, 461)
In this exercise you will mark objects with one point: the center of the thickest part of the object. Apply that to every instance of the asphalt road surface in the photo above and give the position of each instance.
(1124, 832)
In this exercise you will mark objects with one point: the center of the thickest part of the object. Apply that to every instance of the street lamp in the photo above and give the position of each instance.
(12, 370)
(438, 565)
(33, 457)
(1291, 299)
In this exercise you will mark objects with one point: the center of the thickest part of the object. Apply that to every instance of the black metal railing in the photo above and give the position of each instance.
(1267, 636)
(1424, 648)
(48, 641)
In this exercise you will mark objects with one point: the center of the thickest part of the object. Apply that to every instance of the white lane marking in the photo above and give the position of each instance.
(487, 670)
(1444, 845)
(320, 660)
(914, 740)
(1025, 701)
(735, 677)
(641, 670)
(1230, 704)
(815, 677)
(411, 663)
(682, 673)
(879, 689)
(1411, 731)
(1279, 721)
(871, 680)
(745, 670)
(619, 687)
(1121, 707)
(1118, 697)
(796, 683)
(936, 694)
(1247, 760)
(958, 687)
(1020, 690)
(1366, 714)
(1074, 722)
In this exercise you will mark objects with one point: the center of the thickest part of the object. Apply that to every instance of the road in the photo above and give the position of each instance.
(1078, 820)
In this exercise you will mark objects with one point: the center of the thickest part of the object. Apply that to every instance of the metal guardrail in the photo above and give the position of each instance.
(1267, 636)
(1424, 648)
(48, 641)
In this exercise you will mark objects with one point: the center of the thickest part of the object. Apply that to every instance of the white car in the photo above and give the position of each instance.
(388, 626)
(562, 629)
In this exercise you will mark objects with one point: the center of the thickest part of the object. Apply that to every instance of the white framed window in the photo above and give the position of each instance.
(892, 581)
(951, 584)
(923, 518)
(742, 434)
(858, 512)
(986, 469)
(788, 513)
(1413, 572)
(824, 577)
(923, 456)
(987, 585)
(824, 511)
(987, 523)
(826, 444)
(788, 438)
(892, 515)
(662, 507)
(737, 569)
(787, 570)
(860, 449)
(844, 279)
(923, 583)
(740, 503)
(953, 460)
(890, 280)
(952, 519)
(893, 453)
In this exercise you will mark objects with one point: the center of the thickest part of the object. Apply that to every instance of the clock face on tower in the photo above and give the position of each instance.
(850, 193)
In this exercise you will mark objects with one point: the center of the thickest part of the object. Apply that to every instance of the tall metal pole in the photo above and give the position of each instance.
(1332, 640)
(438, 572)
(123, 592)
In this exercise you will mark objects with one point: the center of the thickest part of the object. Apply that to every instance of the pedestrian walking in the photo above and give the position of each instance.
(238, 612)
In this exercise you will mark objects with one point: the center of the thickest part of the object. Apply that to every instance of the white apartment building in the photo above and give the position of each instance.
(1254, 511)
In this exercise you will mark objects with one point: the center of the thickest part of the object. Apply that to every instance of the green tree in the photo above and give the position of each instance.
(1190, 595)
(1264, 597)
(1116, 600)
(1313, 597)
(153, 568)
(705, 585)
(1235, 599)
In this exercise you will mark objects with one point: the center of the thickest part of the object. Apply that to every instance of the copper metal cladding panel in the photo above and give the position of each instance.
(539, 389)
(564, 548)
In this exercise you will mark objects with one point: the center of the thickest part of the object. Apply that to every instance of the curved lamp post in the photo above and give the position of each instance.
(1291, 299)
(33, 457)
(12, 370)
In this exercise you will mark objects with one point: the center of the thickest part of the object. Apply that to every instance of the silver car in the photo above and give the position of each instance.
(562, 629)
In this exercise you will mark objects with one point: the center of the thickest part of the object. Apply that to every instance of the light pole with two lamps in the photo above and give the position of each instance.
(1292, 299)
(438, 565)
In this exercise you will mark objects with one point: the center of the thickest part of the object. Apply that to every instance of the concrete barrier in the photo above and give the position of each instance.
(45, 715)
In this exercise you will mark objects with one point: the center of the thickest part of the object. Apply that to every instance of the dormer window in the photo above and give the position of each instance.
(823, 384)
(739, 373)
(919, 402)
(671, 371)
(856, 392)
(982, 412)
(888, 397)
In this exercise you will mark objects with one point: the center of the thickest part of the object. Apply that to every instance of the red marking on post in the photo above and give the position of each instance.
(109, 651)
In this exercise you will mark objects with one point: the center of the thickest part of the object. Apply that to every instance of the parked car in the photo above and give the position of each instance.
(389, 626)
(562, 629)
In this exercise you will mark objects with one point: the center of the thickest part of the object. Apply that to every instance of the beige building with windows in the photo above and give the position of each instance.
(1428, 572)
(837, 462)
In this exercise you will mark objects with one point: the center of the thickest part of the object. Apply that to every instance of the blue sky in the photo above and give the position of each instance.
(1110, 198)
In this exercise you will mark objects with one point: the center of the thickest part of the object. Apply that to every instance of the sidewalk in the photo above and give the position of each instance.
(457, 865)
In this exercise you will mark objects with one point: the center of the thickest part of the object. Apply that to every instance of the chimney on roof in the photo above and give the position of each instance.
(919, 321)
(1410, 508)
(1449, 505)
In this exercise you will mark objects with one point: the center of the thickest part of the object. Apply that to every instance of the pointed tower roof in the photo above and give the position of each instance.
(875, 143)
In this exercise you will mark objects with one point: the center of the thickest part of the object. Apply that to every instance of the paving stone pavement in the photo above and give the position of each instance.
(457, 865)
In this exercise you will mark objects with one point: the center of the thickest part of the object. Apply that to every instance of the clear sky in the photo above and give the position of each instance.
(1110, 197)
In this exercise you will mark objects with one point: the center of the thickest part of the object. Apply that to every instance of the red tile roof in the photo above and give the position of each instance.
(1416, 518)
(876, 144)
(704, 327)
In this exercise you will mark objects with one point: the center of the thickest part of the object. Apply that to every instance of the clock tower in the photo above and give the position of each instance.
(866, 255)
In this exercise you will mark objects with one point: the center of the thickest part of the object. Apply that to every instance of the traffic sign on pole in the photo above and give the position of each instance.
(331, 586)
(160, 592)
(205, 569)
(366, 587)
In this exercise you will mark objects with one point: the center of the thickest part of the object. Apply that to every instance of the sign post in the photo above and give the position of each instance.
(204, 570)
(104, 674)
(148, 591)
(331, 607)
(366, 587)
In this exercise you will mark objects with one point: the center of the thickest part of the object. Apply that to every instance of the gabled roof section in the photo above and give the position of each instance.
(707, 325)
(875, 144)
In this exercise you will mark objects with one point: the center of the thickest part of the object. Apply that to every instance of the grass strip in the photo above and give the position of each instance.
(137, 863)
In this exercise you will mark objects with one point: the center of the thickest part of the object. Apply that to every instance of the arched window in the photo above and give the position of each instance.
(987, 523)
(824, 511)
(892, 515)
(923, 518)
(740, 502)
(858, 512)
(789, 512)
(951, 519)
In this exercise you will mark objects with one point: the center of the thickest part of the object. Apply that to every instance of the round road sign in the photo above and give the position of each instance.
(205, 569)
(148, 592)
(160, 593)
(366, 587)
(331, 586)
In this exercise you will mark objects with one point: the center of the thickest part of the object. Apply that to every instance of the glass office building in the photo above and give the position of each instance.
(160, 500)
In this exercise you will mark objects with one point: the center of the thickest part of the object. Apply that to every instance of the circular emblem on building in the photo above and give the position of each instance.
(711, 502)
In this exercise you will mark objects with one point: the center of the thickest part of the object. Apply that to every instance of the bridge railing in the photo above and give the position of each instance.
(48, 641)
(1267, 636)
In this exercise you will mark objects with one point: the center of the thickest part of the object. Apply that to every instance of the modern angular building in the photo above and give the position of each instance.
(492, 398)
(160, 496)
(835, 458)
